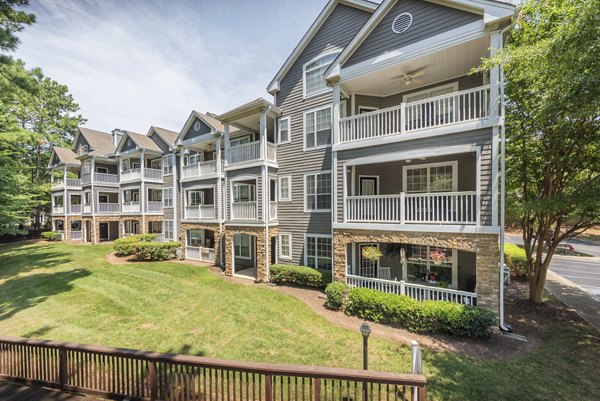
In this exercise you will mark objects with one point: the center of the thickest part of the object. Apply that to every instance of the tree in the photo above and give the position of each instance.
(552, 126)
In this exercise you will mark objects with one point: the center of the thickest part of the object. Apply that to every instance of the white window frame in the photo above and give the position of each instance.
(153, 164)
(281, 197)
(366, 109)
(196, 157)
(315, 132)
(429, 248)
(428, 166)
(188, 198)
(281, 254)
(167, 166)
(327, 88)
(235, 186)
(165, 198)
(305, 194)
(306, 236)
(452, 85)
(240, 140)
(104, 170)
(249, 247)
(87, 167)
(166, 230)
(288, 123)
(343, 108)
(152, 226)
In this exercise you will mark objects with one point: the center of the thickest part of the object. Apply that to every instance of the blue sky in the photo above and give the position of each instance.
(135, 63)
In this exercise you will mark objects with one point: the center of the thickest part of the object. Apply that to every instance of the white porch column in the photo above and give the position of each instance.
(495, 45)
(226, 138)
(143, 193)
(66, 201)
(336, 114)
(218, 198)
(263, 134)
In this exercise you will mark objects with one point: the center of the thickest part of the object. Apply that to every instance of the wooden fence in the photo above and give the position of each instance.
(142, 375)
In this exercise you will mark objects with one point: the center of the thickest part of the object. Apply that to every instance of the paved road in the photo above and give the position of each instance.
(583, 271)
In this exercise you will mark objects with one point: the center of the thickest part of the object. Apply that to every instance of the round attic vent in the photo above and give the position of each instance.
(402, 22)
(197, 126)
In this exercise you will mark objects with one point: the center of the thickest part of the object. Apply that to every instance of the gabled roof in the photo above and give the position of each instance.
(65, 156)
(169, 137)
(493, 11)
(142, 142)
(209, 119)
(312, 31)
(249, 108)
(101, 143)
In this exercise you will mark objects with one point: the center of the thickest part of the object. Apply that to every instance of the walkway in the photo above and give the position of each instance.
(16, 392)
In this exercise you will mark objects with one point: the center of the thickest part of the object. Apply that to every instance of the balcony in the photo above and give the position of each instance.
(68, 182)
(435, 112)
(58, 209)
(87, 208)
(200, 212)
(100, 178)
(150, 174)
(249, 152)
(244, 211)
(154, 207)
(130, 175)
(108, 208)
(201, 169)
(423, 208)
(131, 207)
(75, 209)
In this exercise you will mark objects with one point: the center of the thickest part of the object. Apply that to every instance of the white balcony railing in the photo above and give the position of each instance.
(58, 209)
(153, 174)
(200, 253)
(272, 210)
(243, 211)
(416, 291)
(130, 207)
(106, 178)
(425, 208)
(108, 207)
(200, 169)
(133, 174)
(69, 182)
(87, 208)
(439, 111)
(155, 207)
(251, 151)
(76, 235)
(200, 212)
(75, 209)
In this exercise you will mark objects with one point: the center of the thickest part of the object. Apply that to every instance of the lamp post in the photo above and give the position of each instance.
(365, 329)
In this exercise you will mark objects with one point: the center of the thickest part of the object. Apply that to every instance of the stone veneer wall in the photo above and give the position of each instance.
(67, 225)
(207, 226)
(259, 233)
(485, 246)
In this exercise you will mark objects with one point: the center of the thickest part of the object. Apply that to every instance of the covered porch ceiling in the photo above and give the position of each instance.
(436, 67)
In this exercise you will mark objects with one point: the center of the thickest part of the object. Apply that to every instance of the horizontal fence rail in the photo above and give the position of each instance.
(131, 207)
(132, 174)
(243, 211)
(153, 174)
(200, 253)
(69, 182)
(140, 375)
(106, 178)
(155, 206)
(453, 108)
(108, 207)
(416, 291)
(243, 153)
(200, 212)
(76, 235)
(75, 209)
(377, 209)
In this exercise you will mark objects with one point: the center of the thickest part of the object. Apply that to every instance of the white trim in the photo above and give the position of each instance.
(172, 229)
(327, 88)
(304, 132)
(452, 85)
(376, 177)
(304, 192)
(306, 235)
(366, 109)
(288, 120)
(251, 245)
(164, 197)
(412, 154)
(432, 228)
(281, 255)
(428, 166)
(279, 197)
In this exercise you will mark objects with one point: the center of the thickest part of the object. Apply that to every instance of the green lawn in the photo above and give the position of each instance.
(69, 292)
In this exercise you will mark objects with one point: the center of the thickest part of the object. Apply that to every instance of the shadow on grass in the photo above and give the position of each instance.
(38, 333)
(25, 257)
(186, 349)
(24, 292)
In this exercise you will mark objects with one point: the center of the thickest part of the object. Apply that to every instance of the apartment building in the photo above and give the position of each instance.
(379, 135)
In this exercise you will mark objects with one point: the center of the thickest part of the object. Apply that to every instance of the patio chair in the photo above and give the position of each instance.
(384, 273)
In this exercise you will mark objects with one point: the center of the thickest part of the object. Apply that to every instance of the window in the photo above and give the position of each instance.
(168, 230)
(242, 246)
(314, 83)
(125, 165)
(195, 198)
(284, 130)
(317, 128)
(86, 198)
(58, 225)
(155, 164)
(317, 191)
(435, 177)
(285, 188)
(87, 165)
(58, 200)
(83, 149)
(168, 197)
(239, 141)
(343, 108)
(102, 170)
(155, 195)
(102, 198)
(421, 268)
(195, 237)
(131, 196)
(131, 227)
(244, 193)
(193, 159)
(155, 227)
(285, 245)
(168, 162)
(76, 225)
(318, 251)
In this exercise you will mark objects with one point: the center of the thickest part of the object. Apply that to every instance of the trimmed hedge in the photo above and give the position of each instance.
(52, 235)
(124, 246)
(337, 295)
(414, 316)
(302, 276)
(515, 259)
(154, 250)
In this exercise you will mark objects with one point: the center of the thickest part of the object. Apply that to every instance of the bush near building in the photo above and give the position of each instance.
(302, 276)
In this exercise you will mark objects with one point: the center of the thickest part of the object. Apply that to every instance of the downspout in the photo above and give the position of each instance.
(502, 325)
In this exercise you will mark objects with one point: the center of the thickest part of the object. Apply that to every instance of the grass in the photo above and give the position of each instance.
(69, 292)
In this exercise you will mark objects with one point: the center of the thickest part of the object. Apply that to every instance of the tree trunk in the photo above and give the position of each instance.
(537, 281)
(37, 221)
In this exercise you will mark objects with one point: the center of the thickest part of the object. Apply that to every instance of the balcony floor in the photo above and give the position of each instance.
(16, 392)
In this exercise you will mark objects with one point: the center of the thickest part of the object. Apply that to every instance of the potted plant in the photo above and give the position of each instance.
(437, 256)
(371, 253)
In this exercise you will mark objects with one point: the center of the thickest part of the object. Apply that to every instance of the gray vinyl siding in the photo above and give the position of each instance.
(161, 144)
(481, 138)
(80, 141)
(335, 34)
(193, 133)
(429, 19)
(464, 83)
(168, 212)
(232, 174)
(129, 145)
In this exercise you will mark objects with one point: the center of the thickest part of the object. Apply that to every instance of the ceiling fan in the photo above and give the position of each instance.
(409, 77)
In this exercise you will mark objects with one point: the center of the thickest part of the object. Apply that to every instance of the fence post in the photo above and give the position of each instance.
(317, 389)
(417, 367)
(402, 287)
(152, 381)
(402, 207)
(268, 388)
(402, 117)
(62, 368)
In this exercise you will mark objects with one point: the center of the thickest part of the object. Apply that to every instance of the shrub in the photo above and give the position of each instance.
(52, 235)
(154, 250)
(515, 259)
(302, 276)
(337, 295)
(419, 317)
(124, 246)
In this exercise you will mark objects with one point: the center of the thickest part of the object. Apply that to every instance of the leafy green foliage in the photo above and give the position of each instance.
(124, 246)
(371, 253)
(516, 260)
(52, 235)
(144, 250)
(337, 295)
(414, 316)
(299, 275)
